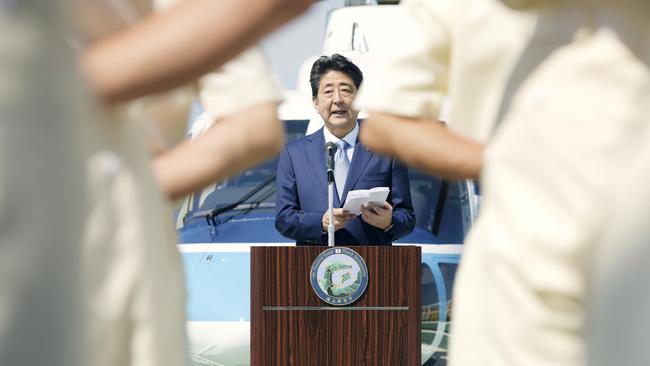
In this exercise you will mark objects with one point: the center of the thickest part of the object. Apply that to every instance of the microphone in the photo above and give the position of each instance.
(330, 150)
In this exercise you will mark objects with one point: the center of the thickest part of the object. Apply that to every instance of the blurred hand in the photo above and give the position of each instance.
(377, 215)
(340, 217)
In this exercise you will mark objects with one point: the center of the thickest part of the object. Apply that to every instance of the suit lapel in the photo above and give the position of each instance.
(360, 159)
(316, 155)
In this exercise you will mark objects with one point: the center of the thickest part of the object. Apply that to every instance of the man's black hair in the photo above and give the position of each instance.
(336, 62)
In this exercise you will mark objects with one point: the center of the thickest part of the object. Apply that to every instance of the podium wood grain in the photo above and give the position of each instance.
(349, 335)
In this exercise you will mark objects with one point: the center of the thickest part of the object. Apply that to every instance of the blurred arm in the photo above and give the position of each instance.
(426, 145)
(171, 48)
(232, 144)
(404, 91)
(239, 101)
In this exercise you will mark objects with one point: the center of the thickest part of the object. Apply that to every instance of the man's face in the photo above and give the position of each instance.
(336, 91)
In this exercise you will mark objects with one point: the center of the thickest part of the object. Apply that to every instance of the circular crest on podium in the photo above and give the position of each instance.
(339, 276)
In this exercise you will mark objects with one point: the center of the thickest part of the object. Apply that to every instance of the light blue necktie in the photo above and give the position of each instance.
(341, 166)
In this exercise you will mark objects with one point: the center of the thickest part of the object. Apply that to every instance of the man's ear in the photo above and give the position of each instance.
(314, 100)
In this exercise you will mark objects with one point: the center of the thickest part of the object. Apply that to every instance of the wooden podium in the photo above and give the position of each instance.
(292, 326)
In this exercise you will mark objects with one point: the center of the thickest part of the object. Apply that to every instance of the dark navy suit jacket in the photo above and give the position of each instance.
(301, 198)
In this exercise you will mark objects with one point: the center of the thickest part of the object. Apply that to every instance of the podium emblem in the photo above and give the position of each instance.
(339, 276)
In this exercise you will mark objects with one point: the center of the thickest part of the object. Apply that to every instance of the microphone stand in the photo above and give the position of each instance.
(330, 205)
(330, 149)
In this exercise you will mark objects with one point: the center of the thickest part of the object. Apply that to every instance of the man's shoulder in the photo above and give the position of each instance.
(377, 157)
(302, 142)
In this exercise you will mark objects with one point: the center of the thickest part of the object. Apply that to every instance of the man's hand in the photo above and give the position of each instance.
(377, 215)
(341, 217)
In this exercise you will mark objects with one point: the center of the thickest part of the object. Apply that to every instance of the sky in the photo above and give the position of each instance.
(301, 38)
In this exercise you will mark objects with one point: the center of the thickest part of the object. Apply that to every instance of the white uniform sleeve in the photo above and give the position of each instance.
(410, 77)
(241, 83)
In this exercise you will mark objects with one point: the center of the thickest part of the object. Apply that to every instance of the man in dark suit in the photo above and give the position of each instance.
(301, 203)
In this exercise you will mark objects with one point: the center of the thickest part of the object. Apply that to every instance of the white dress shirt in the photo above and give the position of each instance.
(350, 138)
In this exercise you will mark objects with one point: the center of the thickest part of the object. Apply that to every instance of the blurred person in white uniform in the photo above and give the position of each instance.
(42, 197)
(575, 122)
(570, 115)
(134, 280)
